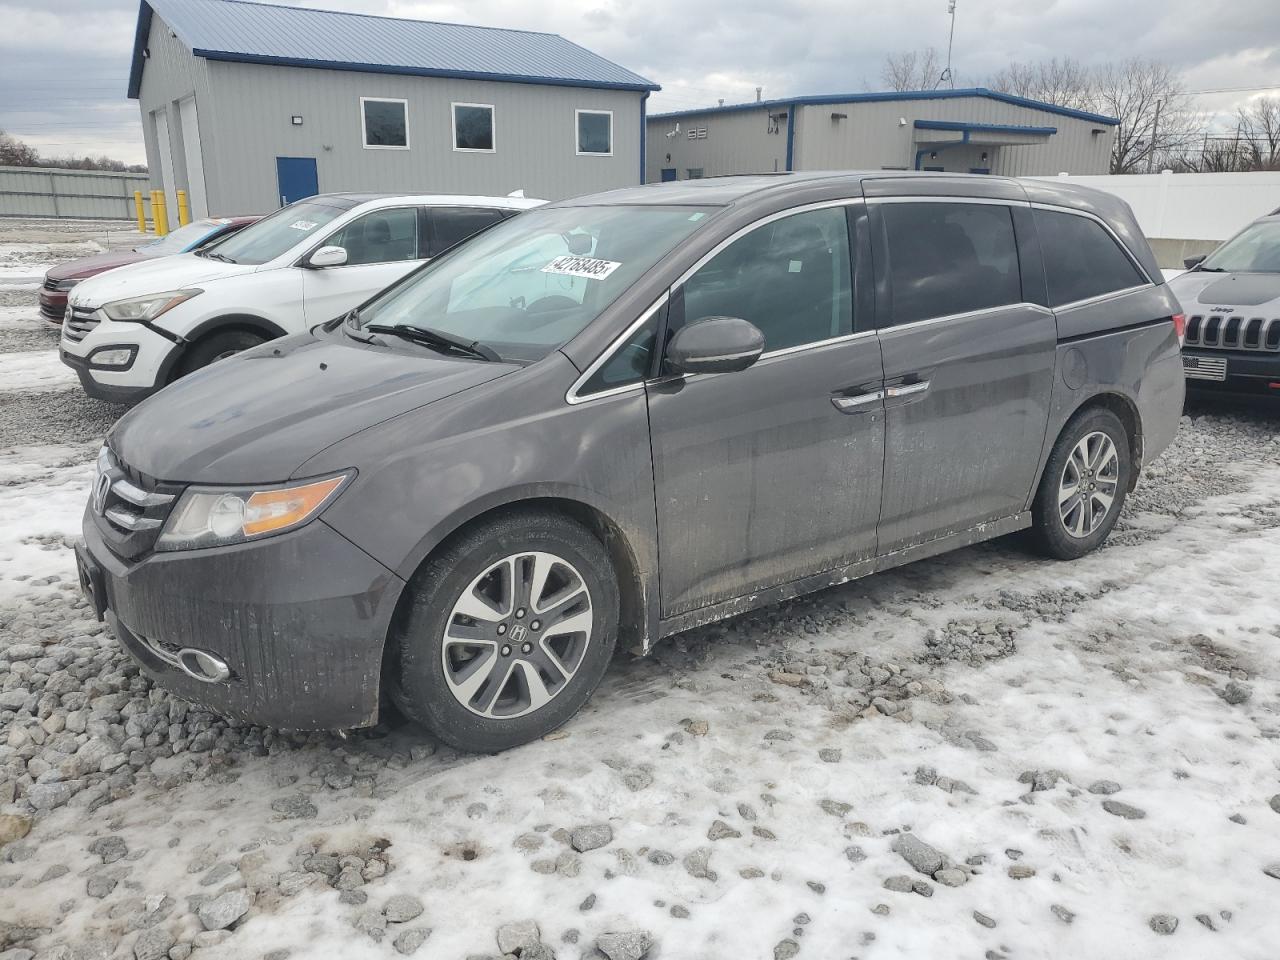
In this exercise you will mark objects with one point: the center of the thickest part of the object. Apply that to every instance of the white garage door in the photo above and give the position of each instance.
(195, 159)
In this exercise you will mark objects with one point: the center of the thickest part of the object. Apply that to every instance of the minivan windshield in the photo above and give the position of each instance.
(276, 234)
(184, 238)
(1256, 249)
(527, 286)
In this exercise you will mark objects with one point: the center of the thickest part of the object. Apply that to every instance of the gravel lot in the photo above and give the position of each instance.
(982, 755)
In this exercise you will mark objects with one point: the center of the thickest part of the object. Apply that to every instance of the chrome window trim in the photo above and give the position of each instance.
(967, 314)
(1052, 208)
(573, 397)
(1104, 297)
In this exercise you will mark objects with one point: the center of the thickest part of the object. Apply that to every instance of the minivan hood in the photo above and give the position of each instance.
(1201, 288)
(258, 416)
(158, 275)
(91, 266)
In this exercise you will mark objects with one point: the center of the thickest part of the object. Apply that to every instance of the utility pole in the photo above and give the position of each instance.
(946, 74)
(1155, 128)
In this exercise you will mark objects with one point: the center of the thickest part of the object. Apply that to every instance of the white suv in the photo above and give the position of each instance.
(130, 331)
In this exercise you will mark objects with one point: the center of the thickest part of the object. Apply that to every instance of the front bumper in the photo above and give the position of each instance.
(53, 305)
(300, 621)
(154, 355)
(1242, 372)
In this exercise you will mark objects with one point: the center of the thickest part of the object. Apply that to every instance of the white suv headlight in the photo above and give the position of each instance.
(144, 309)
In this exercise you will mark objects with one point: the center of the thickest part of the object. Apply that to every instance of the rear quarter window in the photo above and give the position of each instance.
(1081, 259)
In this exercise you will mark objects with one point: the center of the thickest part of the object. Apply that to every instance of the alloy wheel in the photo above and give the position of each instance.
(517, 634)
(1088, 485)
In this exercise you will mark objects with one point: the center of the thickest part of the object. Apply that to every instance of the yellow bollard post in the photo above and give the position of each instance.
(141, 211)
(162, 214)
(155, 213)
(184, 210)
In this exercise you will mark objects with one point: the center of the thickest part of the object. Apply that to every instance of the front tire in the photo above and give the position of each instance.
(1084, 485)
(217, 346)
(508, 632)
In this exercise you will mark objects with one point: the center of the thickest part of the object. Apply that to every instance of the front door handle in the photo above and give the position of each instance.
(906, 389)
(859, 403)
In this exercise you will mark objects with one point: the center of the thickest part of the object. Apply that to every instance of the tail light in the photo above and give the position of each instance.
(1180, 327)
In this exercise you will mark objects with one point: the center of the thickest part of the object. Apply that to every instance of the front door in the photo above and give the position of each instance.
(772, 473)
(382, 246)
(968, 366)
(296, 178)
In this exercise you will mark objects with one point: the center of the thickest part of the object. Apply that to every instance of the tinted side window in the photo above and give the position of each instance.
(947, 258)
(791, 278)
(450, 225)
(383, 236)
(630, 363)
(1081, 259)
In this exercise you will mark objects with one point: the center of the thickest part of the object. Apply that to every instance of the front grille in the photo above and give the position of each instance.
(131, 511)
(1221, 332)
(51, 312)
(79, 323)
(50, 284)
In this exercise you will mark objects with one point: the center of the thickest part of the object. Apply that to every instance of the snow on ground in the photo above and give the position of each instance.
(31, 371)
(1094, 746)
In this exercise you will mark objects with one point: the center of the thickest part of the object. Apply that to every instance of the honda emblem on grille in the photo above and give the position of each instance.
(101, 487)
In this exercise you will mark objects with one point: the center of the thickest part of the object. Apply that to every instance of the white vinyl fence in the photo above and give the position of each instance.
(79, 194)
(1186, 214)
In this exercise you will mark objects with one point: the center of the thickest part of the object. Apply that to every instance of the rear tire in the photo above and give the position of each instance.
(1084, 485)
(507, 633)
(217, 346)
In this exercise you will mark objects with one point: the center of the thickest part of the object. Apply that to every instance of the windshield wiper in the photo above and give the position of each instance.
(214, 255)
(1200, 269)
(437, 340)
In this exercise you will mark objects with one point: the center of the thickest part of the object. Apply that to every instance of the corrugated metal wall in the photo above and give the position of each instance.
(171, 74)
(871, 137)
(245, 124)
(80, 194)
(535, 136)
(736, 142)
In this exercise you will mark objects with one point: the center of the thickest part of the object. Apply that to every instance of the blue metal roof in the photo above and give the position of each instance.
(894, 95)
(246, 32)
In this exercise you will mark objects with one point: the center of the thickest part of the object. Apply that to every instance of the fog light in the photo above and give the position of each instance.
(117, 357)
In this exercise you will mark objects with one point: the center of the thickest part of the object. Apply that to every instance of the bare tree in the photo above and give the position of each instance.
(1149, 100)
(15, 153)
(1259, 130)
(1064, 83)
(913, 69)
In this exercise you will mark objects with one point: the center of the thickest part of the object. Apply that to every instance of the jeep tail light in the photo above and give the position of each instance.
(1180, 327)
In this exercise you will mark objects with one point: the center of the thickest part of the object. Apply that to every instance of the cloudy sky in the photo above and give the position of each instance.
(64, 63)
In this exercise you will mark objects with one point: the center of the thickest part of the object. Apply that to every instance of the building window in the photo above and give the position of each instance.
(694, 173)
(595, 133)
(473, 127)
(385, 123)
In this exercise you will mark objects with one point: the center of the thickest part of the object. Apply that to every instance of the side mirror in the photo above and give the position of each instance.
(715, 345)
(1192, 262)
(327, 257)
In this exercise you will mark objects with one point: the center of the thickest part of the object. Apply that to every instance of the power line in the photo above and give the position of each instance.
(1273, 86)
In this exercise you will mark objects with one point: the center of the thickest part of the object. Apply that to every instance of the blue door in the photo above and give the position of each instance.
(297, 179)
(668, 174)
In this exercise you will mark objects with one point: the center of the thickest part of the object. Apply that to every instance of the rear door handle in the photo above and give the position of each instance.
(859, 403)
(906, 389)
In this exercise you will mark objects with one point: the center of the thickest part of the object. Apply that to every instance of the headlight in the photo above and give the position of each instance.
(143, 309)
(217, 516)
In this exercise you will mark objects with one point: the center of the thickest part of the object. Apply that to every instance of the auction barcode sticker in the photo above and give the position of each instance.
(588, 267)
(303, 225)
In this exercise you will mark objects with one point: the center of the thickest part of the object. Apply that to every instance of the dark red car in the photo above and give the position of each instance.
(197, 234)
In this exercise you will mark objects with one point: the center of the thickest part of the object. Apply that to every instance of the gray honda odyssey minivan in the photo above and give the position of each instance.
(620, 416)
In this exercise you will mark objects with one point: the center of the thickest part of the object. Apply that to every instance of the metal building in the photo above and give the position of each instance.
(249, 105)
(965, 131)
